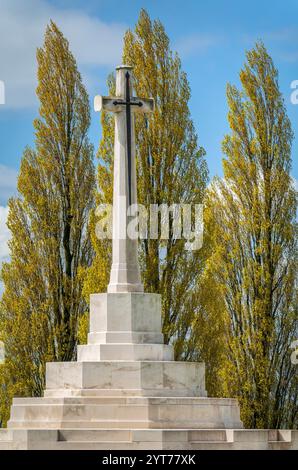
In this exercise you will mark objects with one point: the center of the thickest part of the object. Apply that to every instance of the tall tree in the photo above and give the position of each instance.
(97, 275)
(250, 220)
(170, 169)
(42, 299)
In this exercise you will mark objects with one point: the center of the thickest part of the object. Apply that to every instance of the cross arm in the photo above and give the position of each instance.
(146, 107)
(138, 105)
(106, 103)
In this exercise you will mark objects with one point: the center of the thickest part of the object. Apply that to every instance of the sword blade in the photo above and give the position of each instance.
(128, 133)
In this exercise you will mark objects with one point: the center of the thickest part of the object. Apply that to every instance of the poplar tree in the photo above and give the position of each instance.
(42, 300)
(170, 169)
(252, 267)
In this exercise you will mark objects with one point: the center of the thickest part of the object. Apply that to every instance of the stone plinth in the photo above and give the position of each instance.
(125, 326)
(129, 313)
(155, 378)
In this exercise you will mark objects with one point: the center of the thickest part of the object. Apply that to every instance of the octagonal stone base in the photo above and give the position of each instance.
(126, 392)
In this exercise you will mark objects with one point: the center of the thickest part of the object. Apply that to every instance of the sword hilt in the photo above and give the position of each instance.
(130, 103)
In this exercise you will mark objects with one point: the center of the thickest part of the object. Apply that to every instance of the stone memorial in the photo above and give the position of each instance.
(125, 391)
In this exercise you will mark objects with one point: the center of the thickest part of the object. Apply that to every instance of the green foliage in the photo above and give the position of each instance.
(250, 222)
(42, 299)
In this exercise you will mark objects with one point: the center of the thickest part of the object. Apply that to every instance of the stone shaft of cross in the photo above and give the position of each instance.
(125, 272)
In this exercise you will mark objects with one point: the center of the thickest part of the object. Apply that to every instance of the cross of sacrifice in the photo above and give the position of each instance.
(125, 273)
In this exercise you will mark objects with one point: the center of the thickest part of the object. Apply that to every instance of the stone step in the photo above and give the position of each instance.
(83, 412)
(103, 337)
(279, 445)
(193, 436)
(84, 400)
(6, 439)
(197, 435)
(113, 392)
(120, 445)
(126, 400)
(141, 438)
(6, 435)
(251, 435)
(125, 352)
(67, 424)
(92, 435)
(137, 435)
(6, 445)
(125, 445)
(211, 445)
(155, 412)
(156, 377)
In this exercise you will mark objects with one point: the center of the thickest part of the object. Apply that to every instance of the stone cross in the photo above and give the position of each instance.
(125, 272)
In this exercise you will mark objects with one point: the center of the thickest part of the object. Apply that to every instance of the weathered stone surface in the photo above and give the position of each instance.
(126, 392)
(154, 439)
(125, 352)
(125, 312)
(129, 413)
(158, 378)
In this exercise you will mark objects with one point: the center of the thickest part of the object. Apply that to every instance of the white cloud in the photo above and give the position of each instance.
(22, 25)
(8, 182)
(4, 237)
(194, 44)
(4, 234)
(277, 35)
(283, 40)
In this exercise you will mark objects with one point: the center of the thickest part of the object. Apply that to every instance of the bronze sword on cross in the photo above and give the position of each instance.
(126, 103)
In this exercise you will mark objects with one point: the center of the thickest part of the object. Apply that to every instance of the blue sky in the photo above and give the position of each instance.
(210, 37)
